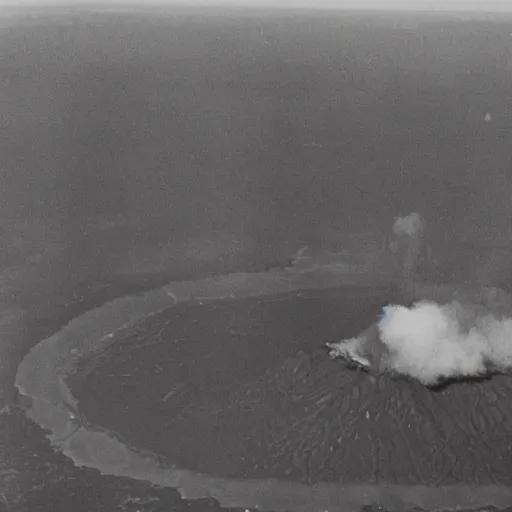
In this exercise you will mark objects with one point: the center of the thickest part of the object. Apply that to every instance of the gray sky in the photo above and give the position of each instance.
(421, 5)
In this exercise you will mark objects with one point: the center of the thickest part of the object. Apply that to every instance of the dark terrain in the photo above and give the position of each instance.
(244, 388)
(137, 149)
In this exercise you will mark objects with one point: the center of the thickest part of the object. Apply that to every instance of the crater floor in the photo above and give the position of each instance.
(244, 388)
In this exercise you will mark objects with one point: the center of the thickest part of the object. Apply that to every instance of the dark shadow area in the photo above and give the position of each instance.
(443, 385)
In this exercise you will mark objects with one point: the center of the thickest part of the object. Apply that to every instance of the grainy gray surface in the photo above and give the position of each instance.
(140, 149)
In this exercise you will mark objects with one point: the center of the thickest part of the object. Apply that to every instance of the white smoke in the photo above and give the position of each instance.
(408, 245)
(410, 226)
(456, 332)
(433, 342)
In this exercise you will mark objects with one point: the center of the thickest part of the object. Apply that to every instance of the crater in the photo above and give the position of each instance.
(245, 389)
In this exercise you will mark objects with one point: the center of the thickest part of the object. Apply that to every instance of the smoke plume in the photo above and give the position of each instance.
(433, 342)
(452, 332)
